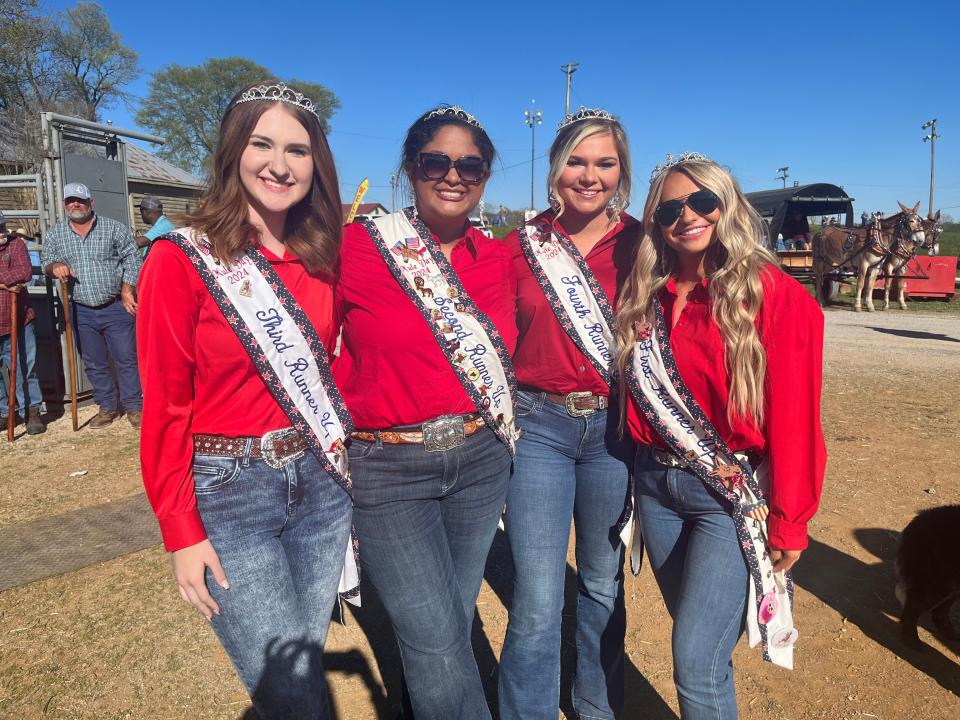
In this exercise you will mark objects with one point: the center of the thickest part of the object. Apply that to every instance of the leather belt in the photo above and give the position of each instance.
(276, 448)
(580, 403)
(668, 458)
(443, 433)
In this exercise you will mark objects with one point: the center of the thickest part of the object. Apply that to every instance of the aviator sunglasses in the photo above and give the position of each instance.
(436, 165)
(702, 202)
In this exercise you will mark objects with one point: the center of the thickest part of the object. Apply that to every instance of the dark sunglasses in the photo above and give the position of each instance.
(702, 202)
(435, 166)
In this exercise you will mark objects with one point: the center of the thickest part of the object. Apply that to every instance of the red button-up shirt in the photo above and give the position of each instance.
(391, 371)
(546, 358)
(198, 378)
(14, 270)
(790, 325)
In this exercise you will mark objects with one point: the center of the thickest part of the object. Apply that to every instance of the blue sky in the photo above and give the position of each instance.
(835, 90)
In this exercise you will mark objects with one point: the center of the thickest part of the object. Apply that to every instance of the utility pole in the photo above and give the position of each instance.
(532, 118)
(569, 69)
(394, 181)
(932, 137)
(783, 174)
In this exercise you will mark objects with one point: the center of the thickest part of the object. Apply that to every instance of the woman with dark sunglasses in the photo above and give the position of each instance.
(427, 308)
(721, 356)
(571, 464)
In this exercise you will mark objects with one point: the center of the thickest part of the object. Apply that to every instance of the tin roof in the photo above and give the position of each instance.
(145, 167)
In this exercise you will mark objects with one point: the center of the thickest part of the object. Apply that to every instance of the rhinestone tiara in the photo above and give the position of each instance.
(279, 93)
(584, 113)
(453, 111)
(672, 160)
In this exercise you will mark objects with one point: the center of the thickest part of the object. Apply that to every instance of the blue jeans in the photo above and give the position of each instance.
(425, 521)
(281, 535)
(103, 333)
(568, 469)
(28, 386)
(693, 548)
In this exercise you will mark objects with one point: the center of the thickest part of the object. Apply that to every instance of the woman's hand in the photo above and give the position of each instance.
(189, 567)
(783, 560)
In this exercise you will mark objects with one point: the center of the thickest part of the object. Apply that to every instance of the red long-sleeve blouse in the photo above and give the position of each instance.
(198, 378)
(790, 325)
(546, 358)
(391, 371)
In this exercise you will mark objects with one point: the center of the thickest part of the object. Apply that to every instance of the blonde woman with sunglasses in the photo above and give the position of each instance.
(721, 357)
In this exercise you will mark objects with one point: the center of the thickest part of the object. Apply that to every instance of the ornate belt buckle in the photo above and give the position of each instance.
(572, 409)
(268, 448)
(443, 433)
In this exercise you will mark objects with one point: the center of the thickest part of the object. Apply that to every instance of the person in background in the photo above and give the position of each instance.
(572, 467)
(99, 257)
(15, 273)
(151, 212)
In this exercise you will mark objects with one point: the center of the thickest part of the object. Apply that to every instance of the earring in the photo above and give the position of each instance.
(554, 202)
(615, 206)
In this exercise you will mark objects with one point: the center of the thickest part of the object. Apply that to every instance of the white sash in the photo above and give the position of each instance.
(288, 354)
(578, 301)
(466, 335)
(674, 414)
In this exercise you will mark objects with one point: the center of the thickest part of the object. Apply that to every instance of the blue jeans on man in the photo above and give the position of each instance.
(568, 470)
(104, 333)
(281, 534)
(691, 541)
(28, 386)
(425, 522)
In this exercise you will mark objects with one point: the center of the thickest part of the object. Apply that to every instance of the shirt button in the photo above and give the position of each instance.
(582, 368)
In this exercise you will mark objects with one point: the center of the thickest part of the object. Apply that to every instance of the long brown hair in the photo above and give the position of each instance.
(313, 226)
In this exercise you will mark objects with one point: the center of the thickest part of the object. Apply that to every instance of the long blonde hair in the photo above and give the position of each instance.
(733, 266)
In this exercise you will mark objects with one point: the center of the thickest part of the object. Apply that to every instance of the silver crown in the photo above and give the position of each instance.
(279, 93)
(584, 113)
(454, 111)
(671, 160)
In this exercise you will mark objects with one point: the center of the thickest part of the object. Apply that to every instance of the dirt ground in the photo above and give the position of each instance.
(114, 640)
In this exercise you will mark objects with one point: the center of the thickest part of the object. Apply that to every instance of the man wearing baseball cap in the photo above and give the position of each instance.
(151, 212)
(99, 257)
(15, 273)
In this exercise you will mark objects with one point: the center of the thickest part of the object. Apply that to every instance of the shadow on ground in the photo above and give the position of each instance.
(863, 594)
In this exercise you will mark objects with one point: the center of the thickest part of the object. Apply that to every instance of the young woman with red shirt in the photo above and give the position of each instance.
(572, 466)
(256, 523)
(722, 357)
(428, 316)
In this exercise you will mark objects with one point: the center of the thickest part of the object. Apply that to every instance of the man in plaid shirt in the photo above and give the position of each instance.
(15, 273)
(100, 259)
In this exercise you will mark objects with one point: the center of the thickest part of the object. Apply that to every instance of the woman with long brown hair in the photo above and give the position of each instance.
(721, 356)
(242, 442)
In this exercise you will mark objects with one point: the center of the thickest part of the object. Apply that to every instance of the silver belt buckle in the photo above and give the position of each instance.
(574, 411)
(443, 433)
(268, 448)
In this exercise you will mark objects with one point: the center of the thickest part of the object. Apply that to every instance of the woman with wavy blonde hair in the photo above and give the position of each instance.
(721, 355)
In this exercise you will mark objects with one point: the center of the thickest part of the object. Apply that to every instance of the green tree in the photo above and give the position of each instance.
(95, 63)
(184, 105)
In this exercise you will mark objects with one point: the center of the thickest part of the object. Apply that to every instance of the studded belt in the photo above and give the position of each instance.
(443, 433)
(666, 457)
(276, 448)
(580, 403)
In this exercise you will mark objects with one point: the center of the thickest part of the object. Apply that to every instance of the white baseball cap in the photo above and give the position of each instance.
(76, 190)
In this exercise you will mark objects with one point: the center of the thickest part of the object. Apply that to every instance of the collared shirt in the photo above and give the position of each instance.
(161, 227)
(198, 378)
(391, 371)
(14, 270)
(790, 325)
(101, 261)
(546, 358)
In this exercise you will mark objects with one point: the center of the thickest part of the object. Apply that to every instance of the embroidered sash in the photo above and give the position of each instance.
(288, 354)
(578, 301)
(672, 411)
(468, 338)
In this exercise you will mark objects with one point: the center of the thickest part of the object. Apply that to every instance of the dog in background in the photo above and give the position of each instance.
(928, 571)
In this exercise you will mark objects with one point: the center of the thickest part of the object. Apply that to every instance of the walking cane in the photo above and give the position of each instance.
(71, 363)
(12, 401)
